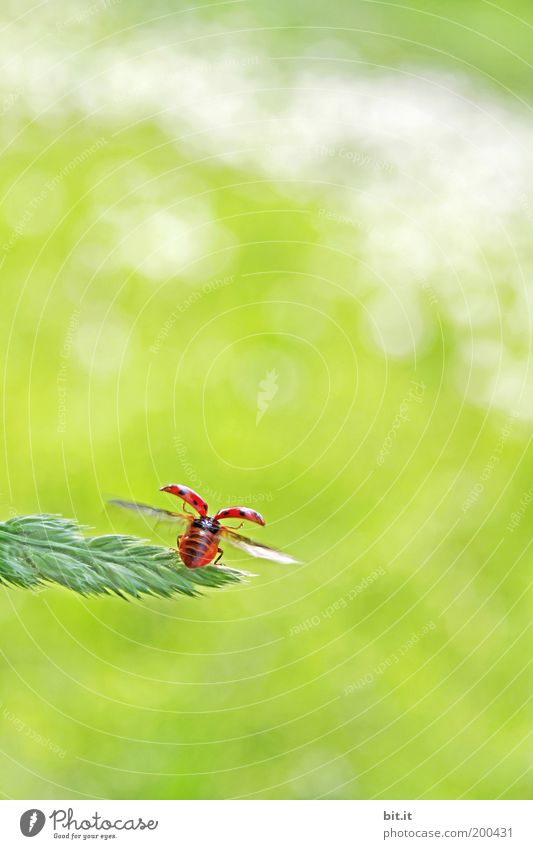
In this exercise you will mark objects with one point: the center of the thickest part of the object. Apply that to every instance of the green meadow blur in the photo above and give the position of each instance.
(173, 312)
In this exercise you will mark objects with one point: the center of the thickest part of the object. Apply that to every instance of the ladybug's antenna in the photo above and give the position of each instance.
(188, 495)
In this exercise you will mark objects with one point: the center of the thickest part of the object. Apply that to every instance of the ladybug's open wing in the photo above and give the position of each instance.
(256, 549)
(178, 519)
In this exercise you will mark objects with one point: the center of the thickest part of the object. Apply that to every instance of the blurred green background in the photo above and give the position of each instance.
(281, 253)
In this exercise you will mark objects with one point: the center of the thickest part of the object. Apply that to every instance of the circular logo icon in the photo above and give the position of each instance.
(32, 822)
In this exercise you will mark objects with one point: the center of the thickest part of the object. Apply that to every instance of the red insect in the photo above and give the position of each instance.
(198, 545)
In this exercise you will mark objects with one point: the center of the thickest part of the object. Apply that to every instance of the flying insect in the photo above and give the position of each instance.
(199, 542)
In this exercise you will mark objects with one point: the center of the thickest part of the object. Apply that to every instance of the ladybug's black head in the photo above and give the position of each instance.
(207, 523)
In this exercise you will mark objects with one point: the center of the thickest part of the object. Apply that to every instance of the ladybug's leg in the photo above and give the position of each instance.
(234, 528)
(220, 553)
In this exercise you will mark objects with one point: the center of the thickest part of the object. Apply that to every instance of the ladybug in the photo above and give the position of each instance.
(199, 544)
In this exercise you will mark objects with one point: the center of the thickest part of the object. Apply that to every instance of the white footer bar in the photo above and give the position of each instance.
(268, 824)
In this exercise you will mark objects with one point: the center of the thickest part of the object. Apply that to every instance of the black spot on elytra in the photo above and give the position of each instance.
(242, 512)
